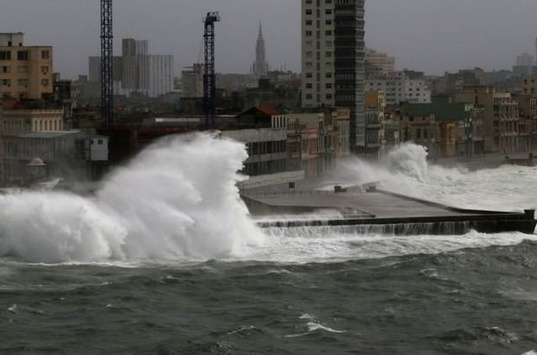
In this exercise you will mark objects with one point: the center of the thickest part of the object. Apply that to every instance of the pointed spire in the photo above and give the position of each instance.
(260, 66)
(260, 35)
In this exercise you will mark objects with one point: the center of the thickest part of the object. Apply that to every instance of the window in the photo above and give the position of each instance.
(44, 82)
(5, 82)
(45, 54)
(22, 55)
(23, 82)
(22, 69)
(5, 69)
(5, 55)
(44, 70)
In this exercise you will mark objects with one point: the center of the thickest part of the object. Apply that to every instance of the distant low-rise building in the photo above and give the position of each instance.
(61, 154)
(530, 85)
(459, 126)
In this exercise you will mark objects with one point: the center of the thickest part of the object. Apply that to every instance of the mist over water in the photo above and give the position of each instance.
(177, 200)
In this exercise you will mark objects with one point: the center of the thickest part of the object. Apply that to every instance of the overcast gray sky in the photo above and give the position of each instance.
(428, 35)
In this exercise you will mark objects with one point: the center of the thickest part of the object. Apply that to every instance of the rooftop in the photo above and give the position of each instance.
(442, 109)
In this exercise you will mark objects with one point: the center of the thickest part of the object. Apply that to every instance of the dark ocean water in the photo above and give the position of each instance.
(471, 301)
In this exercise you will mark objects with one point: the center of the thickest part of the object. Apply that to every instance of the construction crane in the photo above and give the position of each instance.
(107, 66)
(209, 76)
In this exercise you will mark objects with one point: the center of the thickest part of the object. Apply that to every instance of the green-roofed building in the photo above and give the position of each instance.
(459, 126)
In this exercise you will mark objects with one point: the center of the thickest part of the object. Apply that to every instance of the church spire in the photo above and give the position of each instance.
(260, 65)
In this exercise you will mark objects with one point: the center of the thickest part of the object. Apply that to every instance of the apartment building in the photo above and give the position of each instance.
(378, 64)
(333, 65)
(398, 88)
(374, 123)
(501, 117)
(25, 71)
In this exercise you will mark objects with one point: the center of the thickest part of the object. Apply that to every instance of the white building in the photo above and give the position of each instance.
(160, 75)
(136, 71)
(398, 88)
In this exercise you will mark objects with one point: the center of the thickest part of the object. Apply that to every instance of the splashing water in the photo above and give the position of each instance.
(176, 200)
(406, 171)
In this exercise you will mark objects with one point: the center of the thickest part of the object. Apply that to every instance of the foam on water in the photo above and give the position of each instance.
(176, 200)
(328, 244)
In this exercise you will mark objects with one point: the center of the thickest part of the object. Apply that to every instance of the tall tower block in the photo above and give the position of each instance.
(333, 67)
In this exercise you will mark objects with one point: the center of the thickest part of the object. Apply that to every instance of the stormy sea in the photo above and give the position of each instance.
(164, 259)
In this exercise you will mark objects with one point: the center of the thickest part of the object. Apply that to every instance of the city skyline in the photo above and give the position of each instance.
(432, 36)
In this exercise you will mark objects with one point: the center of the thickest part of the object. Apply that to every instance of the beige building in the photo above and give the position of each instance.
(378, 64)
(501, 117)
(19, 122)
(375, 104)
(25, 71)
(317, 140)
(15, 122)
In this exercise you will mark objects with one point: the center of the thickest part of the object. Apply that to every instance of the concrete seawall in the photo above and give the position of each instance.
(380, 212)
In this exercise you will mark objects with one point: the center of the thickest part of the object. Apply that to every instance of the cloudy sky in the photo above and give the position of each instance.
(428, 35)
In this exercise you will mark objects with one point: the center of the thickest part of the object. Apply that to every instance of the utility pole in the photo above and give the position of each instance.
(209, 77)
(107, 66)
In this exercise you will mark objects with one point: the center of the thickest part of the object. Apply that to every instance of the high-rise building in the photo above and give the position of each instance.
(333, 67)
(136, 71)
(25, 71)
(260, 67)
